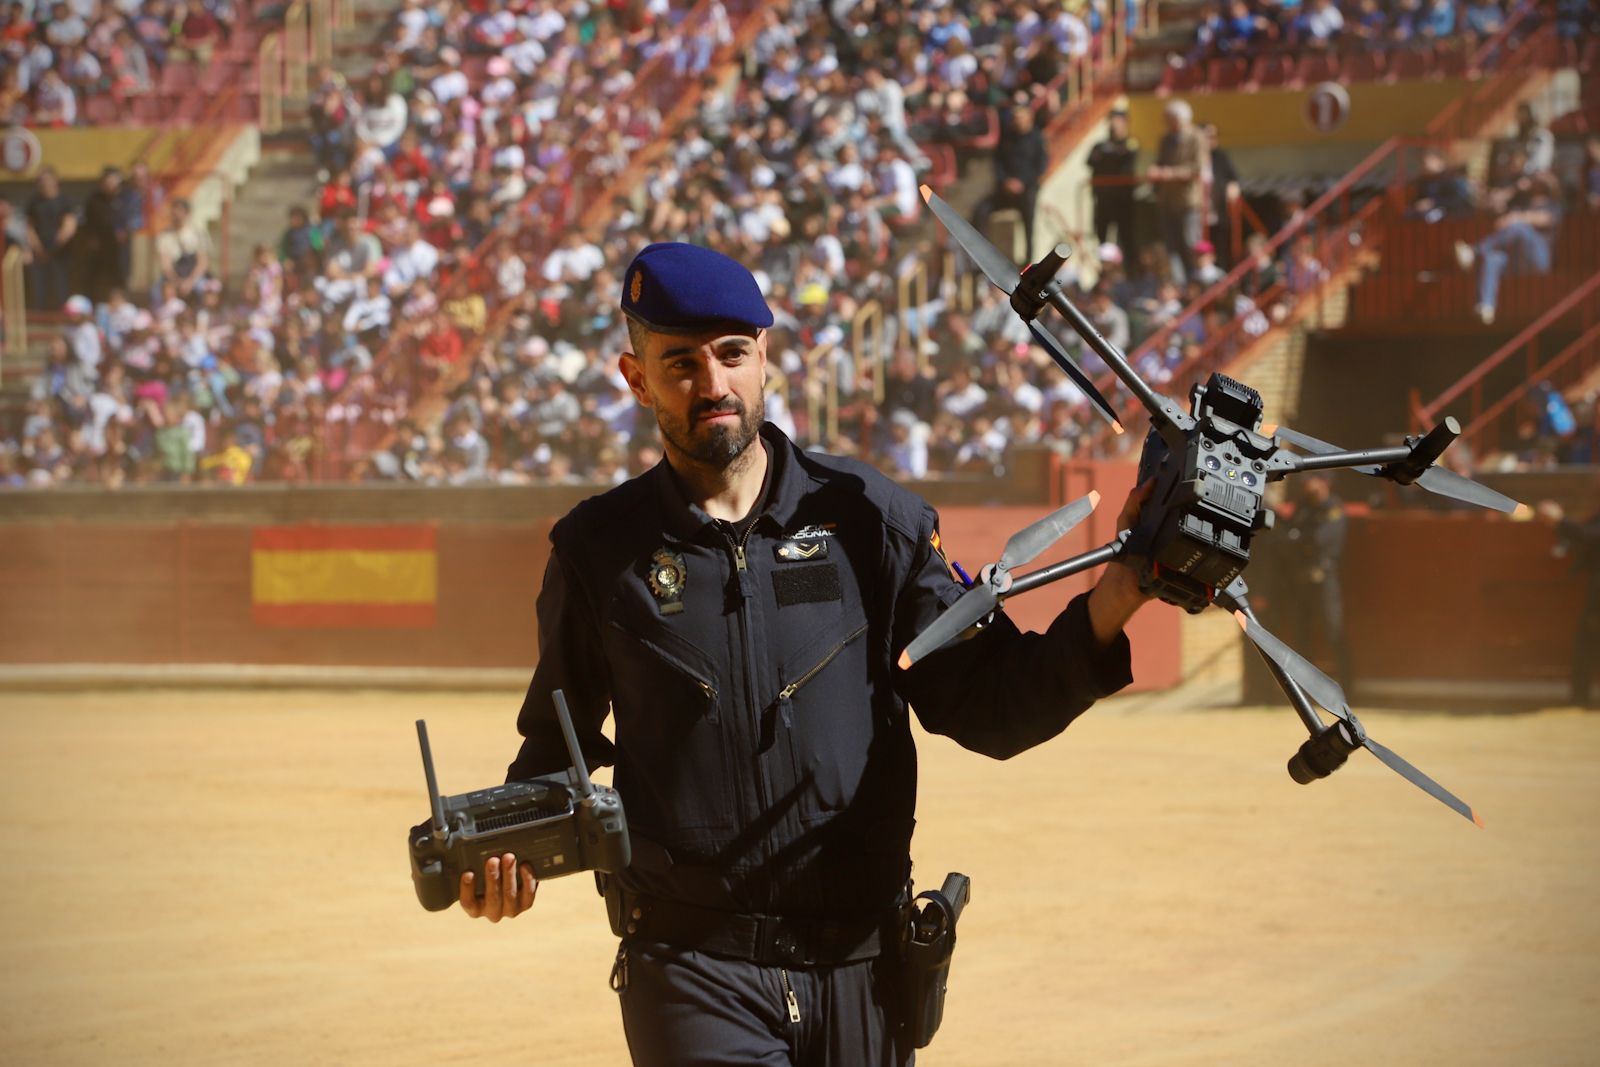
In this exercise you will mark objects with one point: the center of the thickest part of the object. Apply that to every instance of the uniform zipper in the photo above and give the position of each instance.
(788, 691)
(746, 582)
(705, 687)
(789, 999)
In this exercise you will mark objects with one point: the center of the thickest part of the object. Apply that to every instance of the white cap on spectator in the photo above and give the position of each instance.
(498, 67)
(537, 347)
(440, 207)
(1110, 253)
(143, 320)
(449, 56)
(78, 305)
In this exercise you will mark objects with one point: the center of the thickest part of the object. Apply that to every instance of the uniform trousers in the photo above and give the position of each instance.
(682, 1008)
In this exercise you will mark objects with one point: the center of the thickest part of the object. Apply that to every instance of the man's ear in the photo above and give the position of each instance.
(633, 373)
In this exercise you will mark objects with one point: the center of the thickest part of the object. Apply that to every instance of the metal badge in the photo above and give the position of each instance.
(667, 577)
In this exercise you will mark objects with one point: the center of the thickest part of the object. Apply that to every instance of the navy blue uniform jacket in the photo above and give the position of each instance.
(762, 747)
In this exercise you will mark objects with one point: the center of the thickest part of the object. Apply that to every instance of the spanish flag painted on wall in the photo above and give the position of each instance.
(305, 576)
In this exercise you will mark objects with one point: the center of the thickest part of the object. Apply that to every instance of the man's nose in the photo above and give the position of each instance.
(715, 382)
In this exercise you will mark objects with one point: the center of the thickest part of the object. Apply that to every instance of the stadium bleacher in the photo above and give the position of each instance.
(444, 309)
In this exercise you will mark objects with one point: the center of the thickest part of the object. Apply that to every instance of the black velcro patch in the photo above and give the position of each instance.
(806, 585)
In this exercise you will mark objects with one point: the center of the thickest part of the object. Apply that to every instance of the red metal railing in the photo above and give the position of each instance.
(1495, 96)
(1580, 311)
(1420, 285)
(1336, 225)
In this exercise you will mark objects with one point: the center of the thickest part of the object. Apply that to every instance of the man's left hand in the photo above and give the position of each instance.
(1117, 595)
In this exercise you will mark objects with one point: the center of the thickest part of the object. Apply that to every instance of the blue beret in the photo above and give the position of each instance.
(671, 286)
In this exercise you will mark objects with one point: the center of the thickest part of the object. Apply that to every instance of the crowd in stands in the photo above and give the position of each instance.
(1248, 27)
(437, 165)
(59, 59)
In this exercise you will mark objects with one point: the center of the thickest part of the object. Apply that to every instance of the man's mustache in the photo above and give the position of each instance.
(728, 406)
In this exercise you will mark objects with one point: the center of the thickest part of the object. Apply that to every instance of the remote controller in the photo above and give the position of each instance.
(557, 824)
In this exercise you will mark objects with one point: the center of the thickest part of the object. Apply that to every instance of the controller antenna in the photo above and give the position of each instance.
(439, 829)
(578, 767)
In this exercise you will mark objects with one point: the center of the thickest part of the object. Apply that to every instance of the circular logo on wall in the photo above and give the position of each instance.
(20, 151)
(1327, 107)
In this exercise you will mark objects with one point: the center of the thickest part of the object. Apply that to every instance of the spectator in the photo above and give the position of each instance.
(1306, 272)
(1226, 198)
(1438, 20)
(83, 335)
(55, 103)
(1318, 26)
(300, 247)
(1536, 141)
(1483, 18)
(1520, 244)
(183, 253)
(1589, 188)
(1443, 192)
(104, 239)
(1182, 176)
(52, 224)
(1020, 160)
(908, 446)
(1206, 271)
(1112, 165)
(231, 464)
(331, 108)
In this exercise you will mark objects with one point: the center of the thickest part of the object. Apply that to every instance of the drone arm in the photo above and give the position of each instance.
(1167, 416)
(1367, 457)
(1235, 597)
(1038, 286)
(1067, 567)
(1297, 696)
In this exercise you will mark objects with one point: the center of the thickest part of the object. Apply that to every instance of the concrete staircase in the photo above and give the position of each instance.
(285, 175)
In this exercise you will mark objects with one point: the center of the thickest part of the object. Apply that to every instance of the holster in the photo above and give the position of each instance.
(926, 946)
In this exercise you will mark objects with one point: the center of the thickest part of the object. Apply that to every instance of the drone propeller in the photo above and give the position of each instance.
(1434, 479)
(1318, 686)
(995, 266)
(1325, 752)
(1058, 352)
(1405, 770)
(1030, 291)
(984, 597)
(1003, 274)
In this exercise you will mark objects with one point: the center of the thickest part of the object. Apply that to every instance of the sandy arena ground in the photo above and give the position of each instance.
(220, 878)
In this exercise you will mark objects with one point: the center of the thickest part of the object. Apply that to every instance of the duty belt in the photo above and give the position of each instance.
(768, 940)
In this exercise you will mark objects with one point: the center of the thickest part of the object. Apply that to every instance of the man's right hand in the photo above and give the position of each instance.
(503, 897)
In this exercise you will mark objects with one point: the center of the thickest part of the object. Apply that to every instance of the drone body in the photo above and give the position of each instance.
(1194, 538)
(1191, 541)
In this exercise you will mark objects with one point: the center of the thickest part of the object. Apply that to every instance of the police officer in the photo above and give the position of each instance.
(1112, 163)
(740, 609)
(1578, 540)
(1317, 529)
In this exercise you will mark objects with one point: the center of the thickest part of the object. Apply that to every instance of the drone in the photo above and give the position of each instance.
(1191, 542)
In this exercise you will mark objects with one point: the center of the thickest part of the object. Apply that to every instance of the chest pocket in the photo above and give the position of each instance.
(824, 709)
(672, 766)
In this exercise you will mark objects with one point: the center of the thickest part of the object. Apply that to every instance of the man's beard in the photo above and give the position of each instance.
(715, 444)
